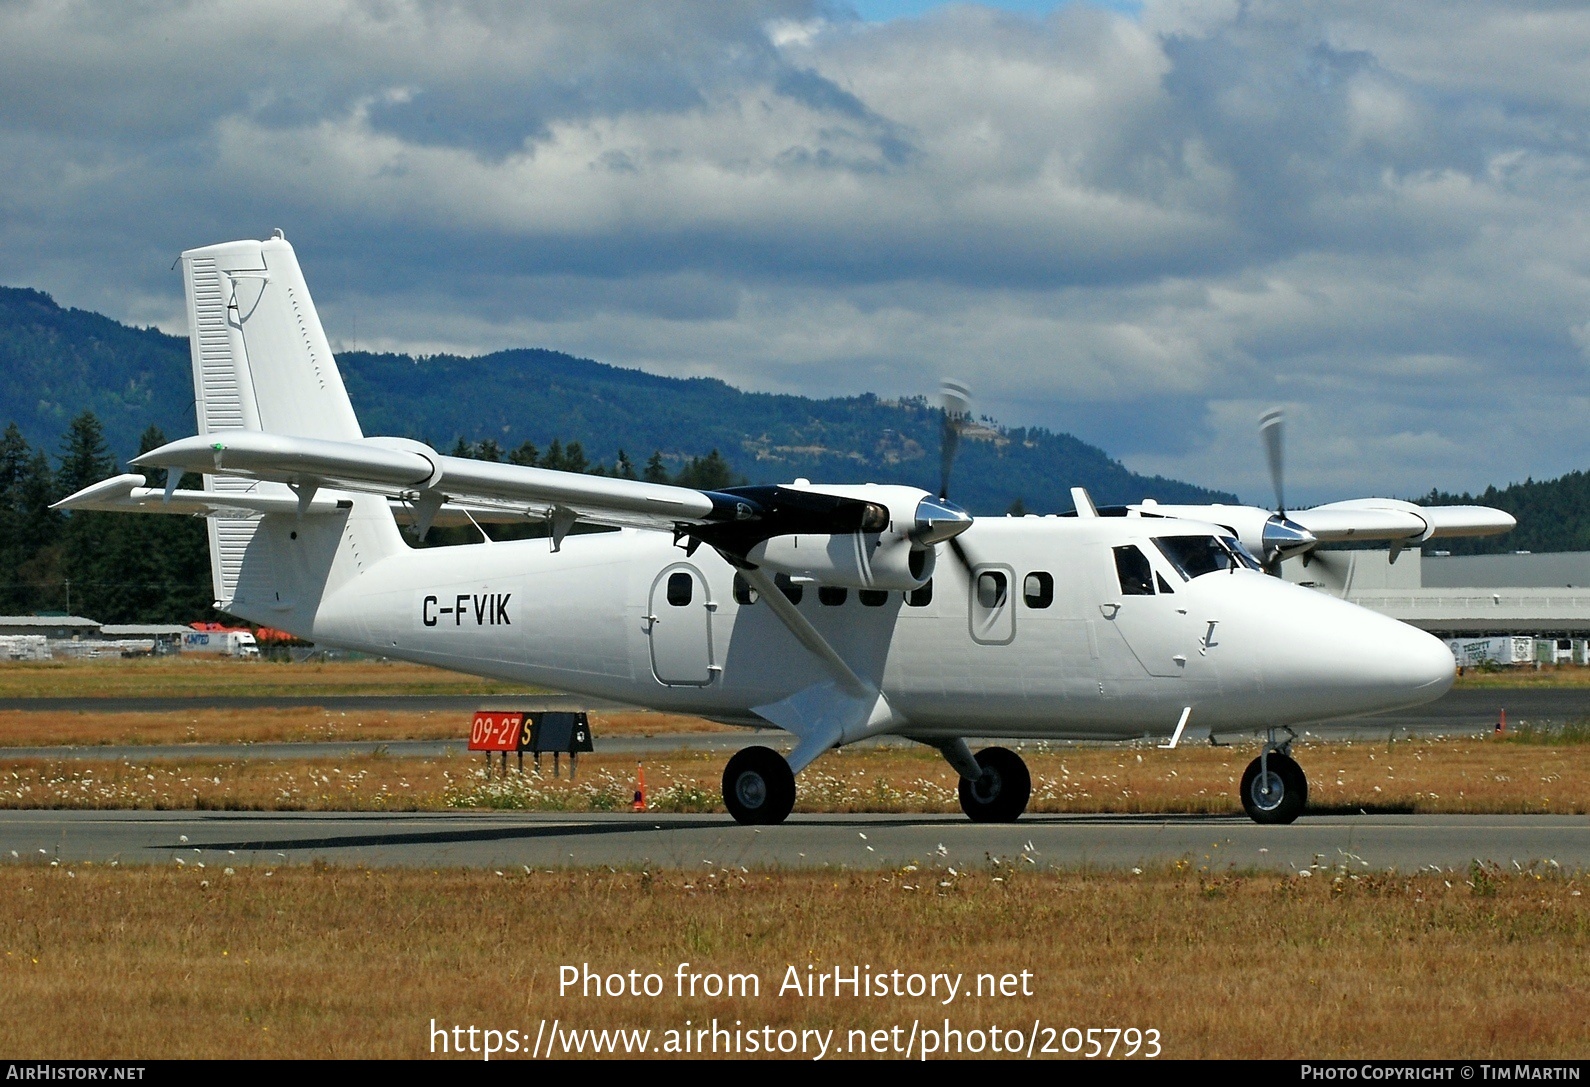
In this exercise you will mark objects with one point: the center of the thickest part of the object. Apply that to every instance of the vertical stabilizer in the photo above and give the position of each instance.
(261, 361)
(260, 358)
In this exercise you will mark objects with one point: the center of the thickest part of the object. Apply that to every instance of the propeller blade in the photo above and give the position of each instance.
(1270, 426)
(959, 552)
(956, 400)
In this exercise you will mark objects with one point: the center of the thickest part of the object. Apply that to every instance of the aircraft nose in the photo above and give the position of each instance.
(1354, 661)
(1420, 663)
(1390, 665)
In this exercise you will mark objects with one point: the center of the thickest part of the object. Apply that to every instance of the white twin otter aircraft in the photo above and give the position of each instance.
(833, 612)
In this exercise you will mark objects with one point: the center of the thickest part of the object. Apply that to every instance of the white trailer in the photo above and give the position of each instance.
(24, 647)
(1506, 650)
(1559, 651)
(224, 643)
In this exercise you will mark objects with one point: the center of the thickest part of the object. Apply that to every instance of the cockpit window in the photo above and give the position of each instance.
(1131, 566)
(1195, 556)
(1243, 555)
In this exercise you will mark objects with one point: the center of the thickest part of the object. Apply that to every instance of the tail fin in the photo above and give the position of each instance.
(261, 361)
(260, 357)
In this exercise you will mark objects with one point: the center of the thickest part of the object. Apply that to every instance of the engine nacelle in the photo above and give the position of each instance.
(857, 560)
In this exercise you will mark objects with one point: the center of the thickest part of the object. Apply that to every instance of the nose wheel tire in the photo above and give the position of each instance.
(758, 787)
(1001, 794)
(1276, 795)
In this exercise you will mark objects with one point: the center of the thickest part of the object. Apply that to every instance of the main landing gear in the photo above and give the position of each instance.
(1274, 788)
(758, 787)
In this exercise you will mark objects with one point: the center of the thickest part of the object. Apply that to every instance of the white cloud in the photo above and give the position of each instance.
(1138, 227)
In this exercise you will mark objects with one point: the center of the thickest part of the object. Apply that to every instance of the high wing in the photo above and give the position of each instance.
(131, 494)
(289, 474)
(1276, 536)
(1390, 519)
(413, 473)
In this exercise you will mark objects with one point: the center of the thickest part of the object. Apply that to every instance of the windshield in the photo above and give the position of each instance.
(1243, 555)
(1195, 556)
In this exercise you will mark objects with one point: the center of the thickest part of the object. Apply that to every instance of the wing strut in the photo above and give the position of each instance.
(845, 709)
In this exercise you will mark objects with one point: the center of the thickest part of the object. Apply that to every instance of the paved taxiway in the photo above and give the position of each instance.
(507, 841)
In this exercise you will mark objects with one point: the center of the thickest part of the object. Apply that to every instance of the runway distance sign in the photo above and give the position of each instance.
(493, 730)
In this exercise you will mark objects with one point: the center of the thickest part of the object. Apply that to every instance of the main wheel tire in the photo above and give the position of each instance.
(1001, 794)
(1278, 798)
(758, 787)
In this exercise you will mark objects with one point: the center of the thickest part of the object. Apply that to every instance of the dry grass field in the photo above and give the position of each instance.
(45, 728)
(179, 676)
(1525, 678)
(1418, 775)
(328, 962)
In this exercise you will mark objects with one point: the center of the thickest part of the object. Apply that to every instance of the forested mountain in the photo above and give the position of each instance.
(55, 363)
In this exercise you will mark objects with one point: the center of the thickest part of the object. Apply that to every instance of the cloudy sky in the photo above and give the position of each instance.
(1142, 223)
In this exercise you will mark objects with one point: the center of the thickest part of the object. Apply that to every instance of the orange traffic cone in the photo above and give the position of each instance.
(1501, 724)
(640, 787)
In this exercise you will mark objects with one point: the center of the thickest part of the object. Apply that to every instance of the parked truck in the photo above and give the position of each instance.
(1506, 650)
(224, 643)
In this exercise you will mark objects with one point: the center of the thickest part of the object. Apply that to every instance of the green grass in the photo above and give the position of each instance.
(1549, 734)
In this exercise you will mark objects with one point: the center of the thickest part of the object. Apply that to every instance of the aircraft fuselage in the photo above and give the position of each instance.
(1062, 652)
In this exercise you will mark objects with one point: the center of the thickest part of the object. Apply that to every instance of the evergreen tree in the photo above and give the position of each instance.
(488, 449)
(85, 458)
(527, 455)
(554, 457)
(574, 458)
(708, 473)
(15, 455)
(656, 470)
(29, 529)
(623, 469)
(166, 561)
(87, 559)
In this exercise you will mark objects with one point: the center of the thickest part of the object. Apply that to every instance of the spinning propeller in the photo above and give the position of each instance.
(956, 401)
(1282, 537)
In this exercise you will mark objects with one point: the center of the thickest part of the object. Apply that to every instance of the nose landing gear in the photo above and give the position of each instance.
(1000, 793)
(1274, 788)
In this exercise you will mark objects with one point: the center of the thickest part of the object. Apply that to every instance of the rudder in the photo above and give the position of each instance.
(261, 361)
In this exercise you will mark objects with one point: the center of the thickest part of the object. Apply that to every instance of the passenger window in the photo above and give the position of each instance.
(743, 593)
(832, 595)
(791, 590)
(1131, 566)
(921, 596)
(680, 588)
(1037, 590)
(991, 590)
(873, 598)
(1164, 586)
